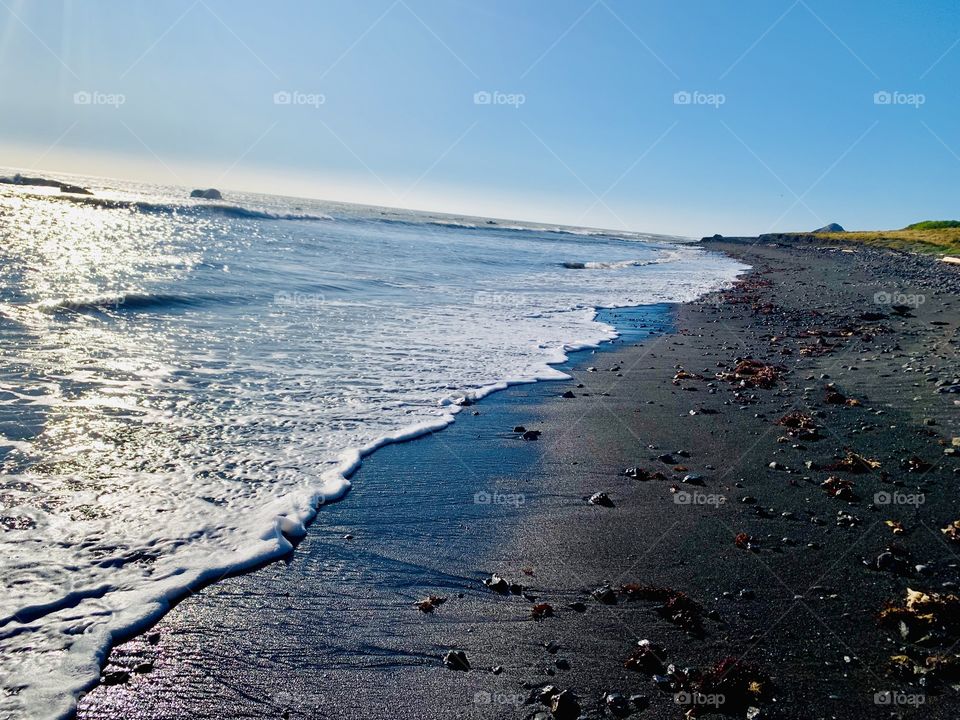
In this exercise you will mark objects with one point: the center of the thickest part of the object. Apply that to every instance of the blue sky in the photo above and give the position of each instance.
(584, 123)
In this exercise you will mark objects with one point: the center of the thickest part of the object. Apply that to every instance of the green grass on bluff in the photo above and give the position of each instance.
(936, 237)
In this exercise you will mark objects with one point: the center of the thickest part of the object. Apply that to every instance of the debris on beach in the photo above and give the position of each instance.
(647, 658)
(925, 620)
(684, 375)
(931, 616)
(744, 541)
(800, 425)
(893, 559)
(952, 531)
(839, 488)
(895, 526)
(677, 607)
(500, 585)
(605, 595)
(835, 397)
(854, 463)
(753, 373)
(541, 611)
(915, 464)
(641, 474)
(431, 603)
(741, 685)
(456, 660)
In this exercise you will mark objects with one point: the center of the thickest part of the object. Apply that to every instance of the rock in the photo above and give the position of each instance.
(601, 498)
(208, 194)
(144, 667)
(115, 677)
(617, 704)
(562, 664)
(577, 607)
(457, 660)
(19, 179)
(519, 429)
(496, 670)
(831, 228)
(497, 584)
(605, 594)
(531, 435)
(153, 638)
(564, 706)
(568, 395)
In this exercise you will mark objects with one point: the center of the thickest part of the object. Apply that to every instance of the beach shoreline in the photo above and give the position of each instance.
(336, 633)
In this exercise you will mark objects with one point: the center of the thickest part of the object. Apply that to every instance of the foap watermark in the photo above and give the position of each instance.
(899, 298)
(496, 97)
(487, 498)
(96, 97)
(684, 497)
(485, 697)
(895, 97)
(297, 97)
(898, 498)
(892, 697)
(498, 298)
(696, 97)
(298, 299)
(685, 697)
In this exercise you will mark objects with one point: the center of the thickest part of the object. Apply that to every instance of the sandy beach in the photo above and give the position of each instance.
(717, 572)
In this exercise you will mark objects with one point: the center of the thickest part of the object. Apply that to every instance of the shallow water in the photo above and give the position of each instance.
(182, 382)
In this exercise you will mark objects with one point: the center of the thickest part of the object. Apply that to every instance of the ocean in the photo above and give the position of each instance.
(183, 383)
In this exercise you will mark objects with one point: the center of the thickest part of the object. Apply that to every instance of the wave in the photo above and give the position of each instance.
(115, 301)
(620, 264)
(198, 209)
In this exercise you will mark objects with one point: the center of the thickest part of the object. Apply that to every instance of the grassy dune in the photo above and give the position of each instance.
(933, 237)
(940, 242)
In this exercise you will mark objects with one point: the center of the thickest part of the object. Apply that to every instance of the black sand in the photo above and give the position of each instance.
(335, 632)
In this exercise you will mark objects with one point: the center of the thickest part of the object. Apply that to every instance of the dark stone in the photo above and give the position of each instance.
(208, 194)
(457, 660)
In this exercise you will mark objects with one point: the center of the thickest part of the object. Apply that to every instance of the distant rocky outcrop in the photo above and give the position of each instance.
(19, 179)
(208, 194)
(832, 227)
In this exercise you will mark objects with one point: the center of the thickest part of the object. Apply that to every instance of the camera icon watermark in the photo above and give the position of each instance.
(892, 697)
(887, 97)
(298, 299)
(684, 497)
(499, 298)
(494, 498)
(95, 97)
(913, 300)
(898, 498)
(495, 97)
(695, 97)
(296, 97)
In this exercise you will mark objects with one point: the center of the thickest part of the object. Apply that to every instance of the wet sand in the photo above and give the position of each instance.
(335, 632)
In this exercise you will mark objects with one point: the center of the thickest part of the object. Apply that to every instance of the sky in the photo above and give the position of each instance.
(685, 117)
